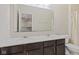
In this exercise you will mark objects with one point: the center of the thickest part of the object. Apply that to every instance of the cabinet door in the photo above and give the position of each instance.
(49, 47)
(36, 52)
(33, 46)
(12, 50)
(49, 51)
(60, 50)
(60, 47)
(60, 42)
(15, 49)
(49, 43)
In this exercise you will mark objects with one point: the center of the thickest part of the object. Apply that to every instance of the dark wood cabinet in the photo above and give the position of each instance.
(60, 50)
(60, 47)
(49, 43)
(49, 47)
(34, 48)
(60, 42)
(49, 51)
(52, 47)
(36, 52)
(12, 50)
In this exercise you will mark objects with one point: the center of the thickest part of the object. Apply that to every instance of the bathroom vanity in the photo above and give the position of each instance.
(26, 21)
(45, 47)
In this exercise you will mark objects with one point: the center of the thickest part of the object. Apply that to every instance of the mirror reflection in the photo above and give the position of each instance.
(34, 19)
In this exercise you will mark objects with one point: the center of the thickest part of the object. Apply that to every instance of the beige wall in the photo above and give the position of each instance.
(4, 20)
(60, 18)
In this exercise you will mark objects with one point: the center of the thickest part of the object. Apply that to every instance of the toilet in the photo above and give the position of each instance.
(71, 49)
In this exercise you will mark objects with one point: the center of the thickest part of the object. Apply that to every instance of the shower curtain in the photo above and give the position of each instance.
(74, 33)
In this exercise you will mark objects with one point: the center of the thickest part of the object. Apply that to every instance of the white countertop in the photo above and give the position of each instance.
(4, 42)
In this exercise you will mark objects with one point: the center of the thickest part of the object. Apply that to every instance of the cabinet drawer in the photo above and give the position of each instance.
(33, 46)
(13, 49)
(61, 41)
(49, 43)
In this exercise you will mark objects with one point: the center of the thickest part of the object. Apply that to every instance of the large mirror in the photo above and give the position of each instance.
(34, 19)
